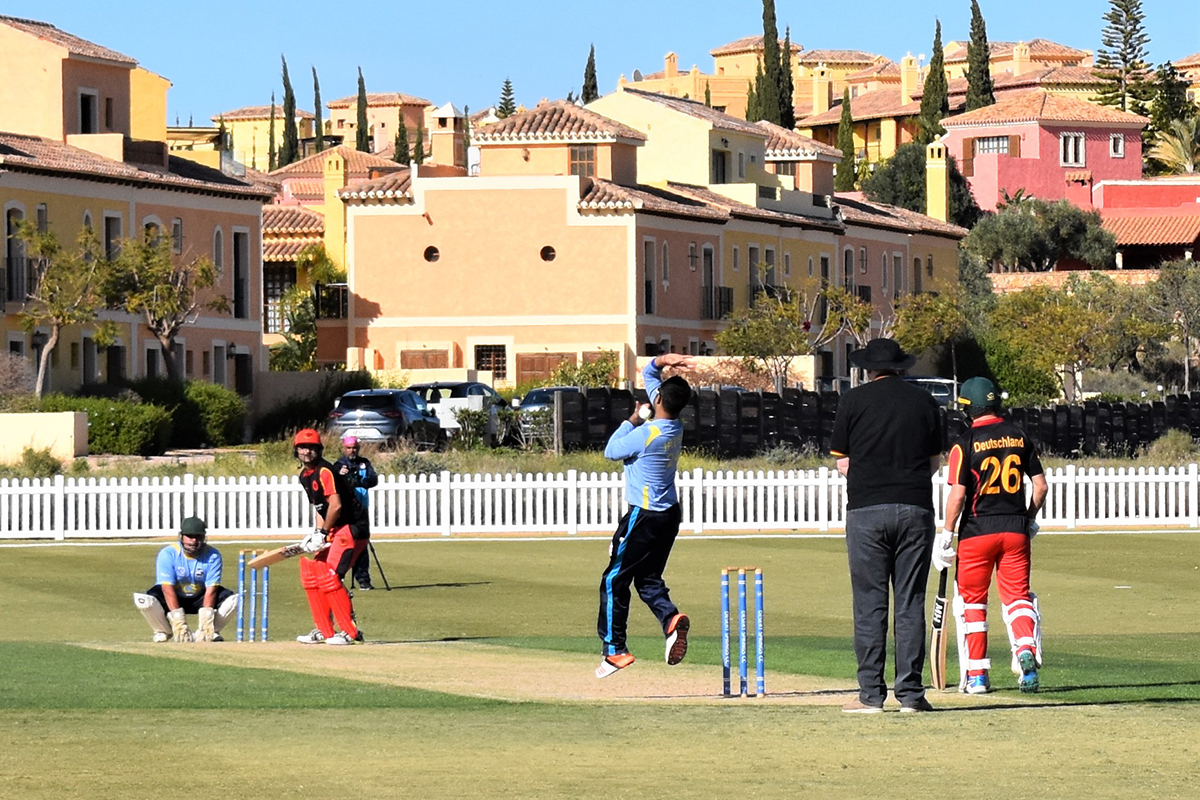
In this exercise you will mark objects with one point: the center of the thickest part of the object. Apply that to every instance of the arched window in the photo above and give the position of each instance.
(218, 250)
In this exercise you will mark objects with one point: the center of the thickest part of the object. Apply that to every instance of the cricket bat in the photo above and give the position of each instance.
(275, 556)
(937, 637)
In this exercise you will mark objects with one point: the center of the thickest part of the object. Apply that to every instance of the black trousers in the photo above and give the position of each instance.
(889, 546)
(190, 605)
(638, 555)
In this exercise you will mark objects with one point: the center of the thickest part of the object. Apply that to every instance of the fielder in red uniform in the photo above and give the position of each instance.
(987, 506)
(337, 542)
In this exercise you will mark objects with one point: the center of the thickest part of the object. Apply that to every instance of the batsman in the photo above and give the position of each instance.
(995, 523)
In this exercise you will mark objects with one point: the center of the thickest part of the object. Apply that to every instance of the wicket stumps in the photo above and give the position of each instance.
(248, 595)
(725, 611)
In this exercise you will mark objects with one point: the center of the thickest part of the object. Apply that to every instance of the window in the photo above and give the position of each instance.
(1116, 145)
(787, 265)
(112, 236)
(1071, 153)
(241, 275)
(862, 260)
(583, 160)
(719, 166)
(89, 103)
(43, 218)
(492, 357)
(916, 275)
(883, 269)
(108, 113)
(736, 264)
(206, 363)
(218, 252)
(848, 269)
(929, 264)
(666, 266)
(177, 235)
(741, 164)
(810, 266)
(785, 167)
(74, 355)
(648, 274)
(897, 275)
(548, 253)
(752, 260)
(190, 362)
(277, 280)
(153, 233)
(991, 144)
(769, 272)
(692, 256)
(823, 306)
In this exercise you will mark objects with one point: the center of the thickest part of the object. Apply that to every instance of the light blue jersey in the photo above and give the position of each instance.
(190, 576)
(650, 453)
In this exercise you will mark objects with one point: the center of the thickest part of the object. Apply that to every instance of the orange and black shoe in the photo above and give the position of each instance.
(677, 635)
(611, 665)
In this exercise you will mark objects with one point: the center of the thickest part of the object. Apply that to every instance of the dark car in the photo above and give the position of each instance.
(533, 421)
(386, 416)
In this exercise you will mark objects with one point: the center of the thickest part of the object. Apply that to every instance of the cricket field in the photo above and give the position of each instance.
(476, 681)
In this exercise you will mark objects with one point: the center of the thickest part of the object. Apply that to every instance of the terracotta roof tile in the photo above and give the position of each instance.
(837, 57)
(601, 195)
(276, 250)
(857, 210)
(380, 99)
(783, 143)
(742, 210)
(1078, 176)
(358, 164)
(879, 104)
(558, 121)
(1177, 229)
(1008, 83)
(1038, 48)
(395, 185)
(303, 188)
(884, 69)
(1038, 106)
(279, 219)
(1188, 62)
(259, 112)
(35, 154)
(747, 44)
(73, 44)
(719, 119)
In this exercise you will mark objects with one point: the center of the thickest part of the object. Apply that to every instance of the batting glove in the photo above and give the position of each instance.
(314, 542)
(943, 552)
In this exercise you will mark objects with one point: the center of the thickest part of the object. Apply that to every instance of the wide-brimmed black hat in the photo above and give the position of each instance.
(882, 354)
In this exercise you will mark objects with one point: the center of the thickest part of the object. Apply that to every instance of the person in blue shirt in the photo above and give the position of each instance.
(359, 473)
(187, 581)
(642, 543)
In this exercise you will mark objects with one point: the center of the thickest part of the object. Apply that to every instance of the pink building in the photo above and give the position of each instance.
(1051, 147)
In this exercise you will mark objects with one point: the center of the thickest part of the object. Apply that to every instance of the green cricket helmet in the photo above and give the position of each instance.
(978, 395)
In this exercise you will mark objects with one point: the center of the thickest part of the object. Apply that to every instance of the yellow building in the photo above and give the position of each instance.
(636, 224)
(1189, 70)
(72, 156)
(384, 112)
(735, 65)
(248, 132)
(1016, 57)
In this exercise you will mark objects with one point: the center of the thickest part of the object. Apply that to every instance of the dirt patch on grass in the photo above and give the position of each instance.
(497, 672)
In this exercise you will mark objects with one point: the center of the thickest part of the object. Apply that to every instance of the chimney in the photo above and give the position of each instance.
(821, 88)
(937, 181)
(671, 65)
(1021, 59)
(910, 78)
(334, 209)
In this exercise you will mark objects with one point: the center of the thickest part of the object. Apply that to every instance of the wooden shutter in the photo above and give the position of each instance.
(1014, 146)
(968, 164)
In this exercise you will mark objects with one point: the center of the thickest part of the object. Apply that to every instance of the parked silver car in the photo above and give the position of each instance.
(386, 416)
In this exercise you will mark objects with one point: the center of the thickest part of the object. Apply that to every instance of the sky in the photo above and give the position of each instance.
(222, 54)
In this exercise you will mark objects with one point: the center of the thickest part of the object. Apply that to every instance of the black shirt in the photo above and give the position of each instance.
(991, 461)
(889, 429)
(319, 482)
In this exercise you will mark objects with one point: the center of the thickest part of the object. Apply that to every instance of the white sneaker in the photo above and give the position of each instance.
(340, 638)
(315, 637)
(160, 637)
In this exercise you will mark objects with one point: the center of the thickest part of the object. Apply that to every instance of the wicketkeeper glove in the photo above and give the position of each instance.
(314, 542)
(178, 620)
(205, 630)
(943, 552)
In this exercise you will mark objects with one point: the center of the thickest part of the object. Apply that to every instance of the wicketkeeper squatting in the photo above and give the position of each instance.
(187, 577)
(988, 467)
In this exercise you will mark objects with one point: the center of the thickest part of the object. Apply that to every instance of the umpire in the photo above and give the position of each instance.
(887, 441)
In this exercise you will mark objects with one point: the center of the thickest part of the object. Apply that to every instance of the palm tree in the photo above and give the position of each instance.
(1178, 147)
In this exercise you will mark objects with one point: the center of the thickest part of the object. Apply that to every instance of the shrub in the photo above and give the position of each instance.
(410, 462)
(1174, 448)
(222, 412)
(118, 427)
(472, 427)
(17, 374)
(40, 463)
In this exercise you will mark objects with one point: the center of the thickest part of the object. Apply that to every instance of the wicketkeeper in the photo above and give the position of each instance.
(987, 506)
(188, 575)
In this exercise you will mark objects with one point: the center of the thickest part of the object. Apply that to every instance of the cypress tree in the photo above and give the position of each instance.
(752, 114)
(318, 123)
(362, 132)
(418, 155)
(272, 154)
(1170, 99)
(223, 134)
(707, 95)
(787, 108)
(401, 153)
(980, 91)
(935, 99)
(289, 150)
(767, 78)
(590, 90)
(1121, 58)
(844, 180)
(466, 126)
(508, 104)
(571, 96)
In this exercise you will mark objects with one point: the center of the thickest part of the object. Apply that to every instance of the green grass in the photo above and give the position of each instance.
(1118, 715)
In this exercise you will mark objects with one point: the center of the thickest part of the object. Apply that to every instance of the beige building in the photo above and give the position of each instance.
(248, 132)
(384, 112)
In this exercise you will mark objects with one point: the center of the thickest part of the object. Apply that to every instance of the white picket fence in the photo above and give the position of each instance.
(571, 502)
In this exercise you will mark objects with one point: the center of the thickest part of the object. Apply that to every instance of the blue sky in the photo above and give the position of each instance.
(221, 54)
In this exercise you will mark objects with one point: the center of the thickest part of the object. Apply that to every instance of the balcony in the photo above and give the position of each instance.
(716, 302)
(331, 300)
